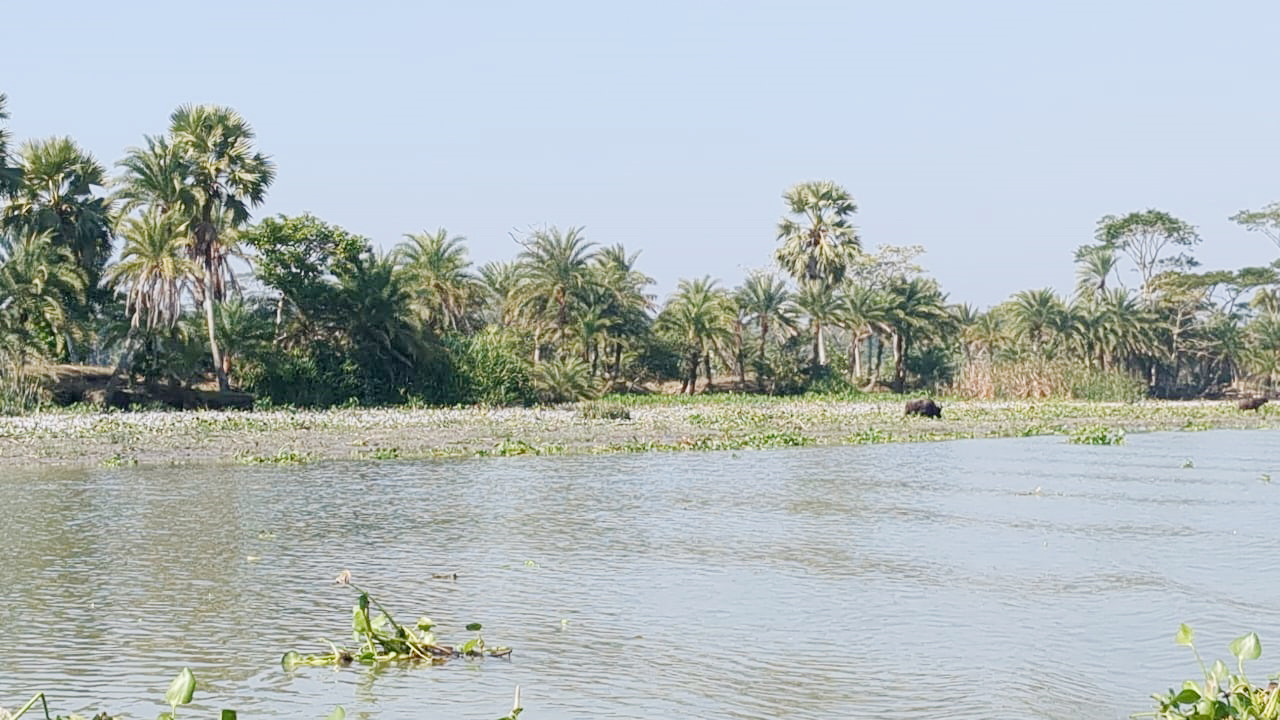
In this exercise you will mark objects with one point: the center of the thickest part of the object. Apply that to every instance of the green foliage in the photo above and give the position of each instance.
(1222, 694)
(564, 380)
(603, 411)
(1097, 435)
(300, 257)
(492, 367)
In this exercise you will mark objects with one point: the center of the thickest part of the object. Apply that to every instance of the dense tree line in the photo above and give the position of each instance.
(297, 310)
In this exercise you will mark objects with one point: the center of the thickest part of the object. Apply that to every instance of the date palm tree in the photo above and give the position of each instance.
(154, 270)
(918, 310)
(864, 312)
(1036, 316)
(818, 301)
(697, 318)
(500, 287)
(39, 284)
(556, 266)
(57, 196)
(443, 287)
(621, 292)
(766, 302)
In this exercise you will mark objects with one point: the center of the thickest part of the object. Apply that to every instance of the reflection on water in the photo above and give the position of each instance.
(886, 581)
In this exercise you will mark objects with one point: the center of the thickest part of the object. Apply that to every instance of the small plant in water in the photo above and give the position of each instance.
(1188, 463)
(1223, 694)
(1097, 435)
(381, 639)
(597, 410)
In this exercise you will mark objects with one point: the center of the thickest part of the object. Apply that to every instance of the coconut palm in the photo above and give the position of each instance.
(57, 196)
(39, 284)
(766, 303)
(556, 266)
(443, 288)
(817, 235)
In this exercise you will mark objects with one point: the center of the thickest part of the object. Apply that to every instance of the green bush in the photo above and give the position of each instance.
(492, 367)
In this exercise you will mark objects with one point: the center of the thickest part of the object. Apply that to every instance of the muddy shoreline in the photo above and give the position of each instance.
(284, 436)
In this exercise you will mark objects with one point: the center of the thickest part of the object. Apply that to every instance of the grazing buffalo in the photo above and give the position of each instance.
(925, 407)
(1251, 403)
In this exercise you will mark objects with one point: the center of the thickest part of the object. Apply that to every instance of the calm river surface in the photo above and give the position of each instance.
(892, 581)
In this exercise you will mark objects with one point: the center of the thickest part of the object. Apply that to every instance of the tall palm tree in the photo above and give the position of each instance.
(57, 196)
(375, 302)
(556, 267)
(10, 175)
(443, 287)
(767, 304)
(818, 238)
(697, 317)
(500, 287)
(39, 284)
(210, 175)
(621, 291)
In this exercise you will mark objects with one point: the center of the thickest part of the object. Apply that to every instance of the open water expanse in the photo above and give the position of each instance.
(890, 581)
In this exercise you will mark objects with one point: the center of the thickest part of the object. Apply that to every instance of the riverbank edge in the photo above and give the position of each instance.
(83, 440)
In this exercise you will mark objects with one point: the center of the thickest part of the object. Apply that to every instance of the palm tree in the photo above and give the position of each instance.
(154, 268)
(818, 238)
(377, 319)
(818, 301)
(697, 317)
(10, 176)
(500, 286)
(622, 293)
(556, 266)
(1094, 264)
(863, 311)
(56, 196)
(918, 310)
(39, 284)
(443, 287)
(208, 174)
(767, 304)
(1036, 314)
(245, 325)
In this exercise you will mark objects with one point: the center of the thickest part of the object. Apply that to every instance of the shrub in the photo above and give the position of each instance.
(491, 367)
(603, 411)
(565, 379)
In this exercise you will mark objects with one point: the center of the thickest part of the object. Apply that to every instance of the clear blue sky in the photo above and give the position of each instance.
(993, 133)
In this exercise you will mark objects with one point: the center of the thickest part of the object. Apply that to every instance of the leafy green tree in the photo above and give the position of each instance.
(1145, 237)
(767, 304)
(1037, 317)
(917, 311)
(620, 292)
(564, 379)
(444, 290)
(300, 258)
(817, 235)
(500, 293)
(1265, 221)
(1094, 265)
(863, 312)
(57, 196)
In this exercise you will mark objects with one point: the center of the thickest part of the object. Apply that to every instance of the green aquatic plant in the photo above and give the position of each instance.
(1222, 695)
(380, 639)
(599, 410)
(282, 457)
(1097, 435)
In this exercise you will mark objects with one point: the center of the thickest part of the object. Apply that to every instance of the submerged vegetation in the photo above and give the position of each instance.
(160, 271)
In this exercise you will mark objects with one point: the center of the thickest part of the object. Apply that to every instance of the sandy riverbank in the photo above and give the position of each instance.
(163, 438)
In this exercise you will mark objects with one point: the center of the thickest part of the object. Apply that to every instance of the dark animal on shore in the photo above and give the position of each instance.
(924, 407)
(1251, 403)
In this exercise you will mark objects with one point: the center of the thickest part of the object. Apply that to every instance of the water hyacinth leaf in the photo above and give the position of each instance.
(228, 715)
(359, 620)
(1186, 697)
(1247, 647)
(364, 601)
(380, 621)
(1185, 636)
(424, 623)
(339, 713)
(474, 627)
(1219, 672)
(181, 689)
(291, 660)
(470, 645)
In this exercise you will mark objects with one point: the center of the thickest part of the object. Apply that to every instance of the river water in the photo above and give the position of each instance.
(1023, 578)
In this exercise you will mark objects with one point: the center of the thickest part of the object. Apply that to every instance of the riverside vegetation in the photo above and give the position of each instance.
(160, 272)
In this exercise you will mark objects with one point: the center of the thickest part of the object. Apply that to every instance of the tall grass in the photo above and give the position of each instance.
(1033, 378)
(21, 389)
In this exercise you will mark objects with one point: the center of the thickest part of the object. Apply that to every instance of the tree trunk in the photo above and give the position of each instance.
(537, 346)
(899, 362)
(706, 364)
(739, 355)
(855, 356)
(223, 384)
(764, 347)
(617, 360)
(819, 354)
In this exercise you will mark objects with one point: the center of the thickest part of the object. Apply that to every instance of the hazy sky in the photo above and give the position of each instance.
(995, 134)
